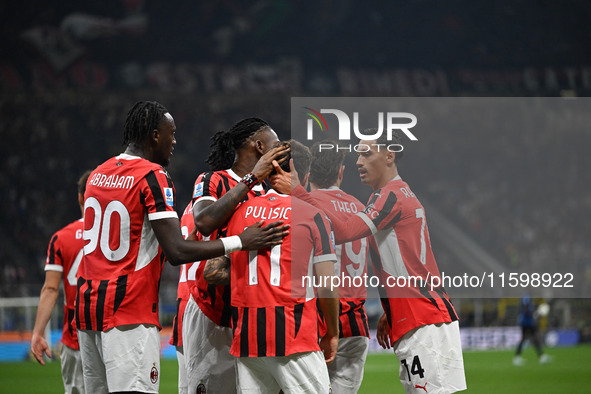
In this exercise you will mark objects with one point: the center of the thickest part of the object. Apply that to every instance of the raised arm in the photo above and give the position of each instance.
(210, 215)
(354, 227)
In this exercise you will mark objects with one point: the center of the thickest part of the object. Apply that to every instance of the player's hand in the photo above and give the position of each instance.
(38, 347)
(264, 166)
(328, 345)
(256, 237)
(383, 332)
(284, 182)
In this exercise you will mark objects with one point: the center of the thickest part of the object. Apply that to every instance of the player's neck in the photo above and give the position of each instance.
(314, 186)
(386, 178)
(134, 150)
(244, 163)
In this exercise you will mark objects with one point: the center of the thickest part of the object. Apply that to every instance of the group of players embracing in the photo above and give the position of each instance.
(247, 320)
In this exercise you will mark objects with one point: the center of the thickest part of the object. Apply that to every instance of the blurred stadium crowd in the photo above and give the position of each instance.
(70, 71)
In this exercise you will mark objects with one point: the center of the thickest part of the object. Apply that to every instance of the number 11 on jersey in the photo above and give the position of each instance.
(275, 276)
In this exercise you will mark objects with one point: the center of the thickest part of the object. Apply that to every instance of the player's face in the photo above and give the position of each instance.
(166, 140)
(268, 139)
(371, 164)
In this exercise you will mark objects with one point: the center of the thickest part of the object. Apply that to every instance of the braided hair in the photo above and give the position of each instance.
(225, 143)
(142, 118)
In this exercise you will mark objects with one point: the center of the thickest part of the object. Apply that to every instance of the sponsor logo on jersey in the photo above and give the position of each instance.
(198, 191)
(169, 196)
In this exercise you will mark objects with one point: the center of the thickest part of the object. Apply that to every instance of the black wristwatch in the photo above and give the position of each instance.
(249, 180)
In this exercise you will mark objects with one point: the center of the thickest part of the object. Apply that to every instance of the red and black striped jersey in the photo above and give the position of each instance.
(275, 314)
(214, 300)
(122, 264)
(401, 248)
(351, 263)
(187, 273)
(64, 255)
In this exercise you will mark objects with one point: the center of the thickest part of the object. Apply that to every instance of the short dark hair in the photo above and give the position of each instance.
(82, 182)
(383, 139)
(300, 154)
(225, 143)
(325, 165)
(142, 119)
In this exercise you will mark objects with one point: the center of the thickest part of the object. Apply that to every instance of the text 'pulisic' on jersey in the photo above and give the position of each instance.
(267, 213)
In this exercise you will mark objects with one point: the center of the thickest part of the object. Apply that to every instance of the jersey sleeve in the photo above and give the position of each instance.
(323, 239)
(159, 195)
(208, 186)
(54, 261)
(382, 211)
(345, 230)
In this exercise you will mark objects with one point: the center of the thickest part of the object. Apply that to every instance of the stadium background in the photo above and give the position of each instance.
(69, 71)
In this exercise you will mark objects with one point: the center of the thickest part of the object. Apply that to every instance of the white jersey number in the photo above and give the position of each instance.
(420, 214)
(357, 265)
(102, 238)
(72, 273)
(275, 277)
(189, 274)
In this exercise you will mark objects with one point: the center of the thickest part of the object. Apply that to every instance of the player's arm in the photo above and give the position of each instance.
(210, 215)
(217, 271)
(328, 299)
(350, 229)
(47, 301)
(181, 251)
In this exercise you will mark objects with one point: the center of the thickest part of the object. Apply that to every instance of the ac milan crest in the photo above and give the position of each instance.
(154, 375)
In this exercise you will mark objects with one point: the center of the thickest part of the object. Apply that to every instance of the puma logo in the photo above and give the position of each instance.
(421, 387)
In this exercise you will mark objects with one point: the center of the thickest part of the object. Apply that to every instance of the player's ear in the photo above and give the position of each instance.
(341, 172)
(390, 156)
(304, 182)
(259, 146)
(155, 135)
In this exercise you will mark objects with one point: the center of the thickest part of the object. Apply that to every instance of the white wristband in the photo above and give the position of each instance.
(231, 244)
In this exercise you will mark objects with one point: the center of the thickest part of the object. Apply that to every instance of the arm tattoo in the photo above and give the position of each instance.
(217, 271)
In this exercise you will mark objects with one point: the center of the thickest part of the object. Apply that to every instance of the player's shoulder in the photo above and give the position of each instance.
(395, 184)
(130, 165)
(214, 177)
(270, 198)
(69, 231)
(396, 188)
(303, 210)
(225, 174)
(334, 193)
